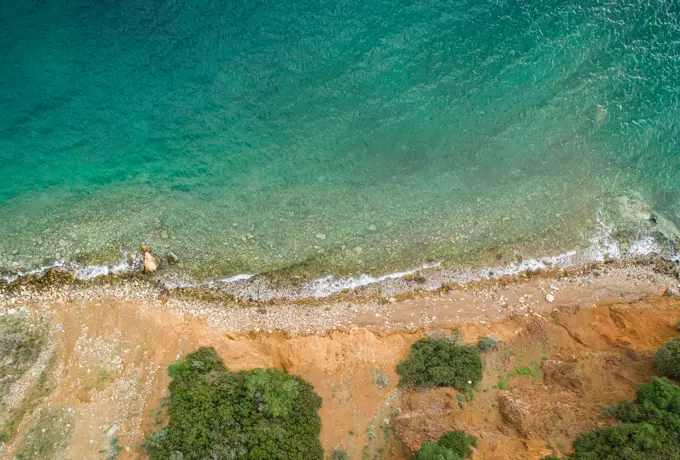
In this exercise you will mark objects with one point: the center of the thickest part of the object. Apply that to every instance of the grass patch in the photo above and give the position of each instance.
(524, 371)
(35, 394)
(20, 345)
(48, 436)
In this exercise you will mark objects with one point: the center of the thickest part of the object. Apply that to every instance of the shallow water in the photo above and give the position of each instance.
(331, 137)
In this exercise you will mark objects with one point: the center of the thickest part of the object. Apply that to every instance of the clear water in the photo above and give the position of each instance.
(330, 137)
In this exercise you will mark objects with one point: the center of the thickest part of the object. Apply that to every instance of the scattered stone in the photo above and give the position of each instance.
(550, 298)
(157, 224)
(358, 250)
(164, 296)
(164, 235)
(372, 228)
(504, 302)
(415, 277)
(670, 292)
(452, 240)
(172, 258)
(144, 248)
(320, 236)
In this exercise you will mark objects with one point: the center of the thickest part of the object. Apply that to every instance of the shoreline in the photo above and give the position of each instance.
(602, 249)
(654, 236)
(451, 303)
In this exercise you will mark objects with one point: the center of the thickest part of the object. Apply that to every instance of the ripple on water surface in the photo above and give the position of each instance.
(313, 137)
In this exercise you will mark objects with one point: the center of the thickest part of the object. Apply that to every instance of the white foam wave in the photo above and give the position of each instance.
(601, 246)
(129, 262)
(323, 287)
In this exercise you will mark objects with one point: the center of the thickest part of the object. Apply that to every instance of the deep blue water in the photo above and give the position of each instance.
(331, 136)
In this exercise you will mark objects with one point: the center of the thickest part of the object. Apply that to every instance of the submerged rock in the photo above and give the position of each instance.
(172, 258)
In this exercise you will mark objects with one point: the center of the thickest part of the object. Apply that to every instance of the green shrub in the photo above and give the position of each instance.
(459, 442)
(433, 451)
(439, 362)
(656, 403)
(487, 343)
(651, 428)
(630, 441)
(454, 445)
(668, 358)
(257, 414)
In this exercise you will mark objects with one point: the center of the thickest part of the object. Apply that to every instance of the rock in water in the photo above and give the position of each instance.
(144, 248)
(151, 262)
(172, 258)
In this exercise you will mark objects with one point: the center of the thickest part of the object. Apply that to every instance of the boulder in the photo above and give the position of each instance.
(151, 262)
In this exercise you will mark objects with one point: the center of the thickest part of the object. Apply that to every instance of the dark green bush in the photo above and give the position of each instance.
(433, 451)
(629, 441)
(257, 414)
(656, 403)
(454, 445)
(439, 362)
(651, 428)
(668, 358)
(459, 442)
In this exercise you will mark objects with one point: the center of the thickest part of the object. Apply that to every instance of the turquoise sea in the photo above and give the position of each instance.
(344, 137)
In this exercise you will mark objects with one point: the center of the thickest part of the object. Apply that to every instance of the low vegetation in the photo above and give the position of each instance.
(487, 343)
(256, 414)
(454, 445)
(339, 455)
(668, 358)
(440, 362)
(48, 436)
(20, 344)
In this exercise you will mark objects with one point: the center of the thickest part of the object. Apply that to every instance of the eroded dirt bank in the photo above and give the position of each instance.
(101, 376)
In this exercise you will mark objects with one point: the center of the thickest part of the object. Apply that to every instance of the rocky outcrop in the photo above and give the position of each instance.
(427, 416)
